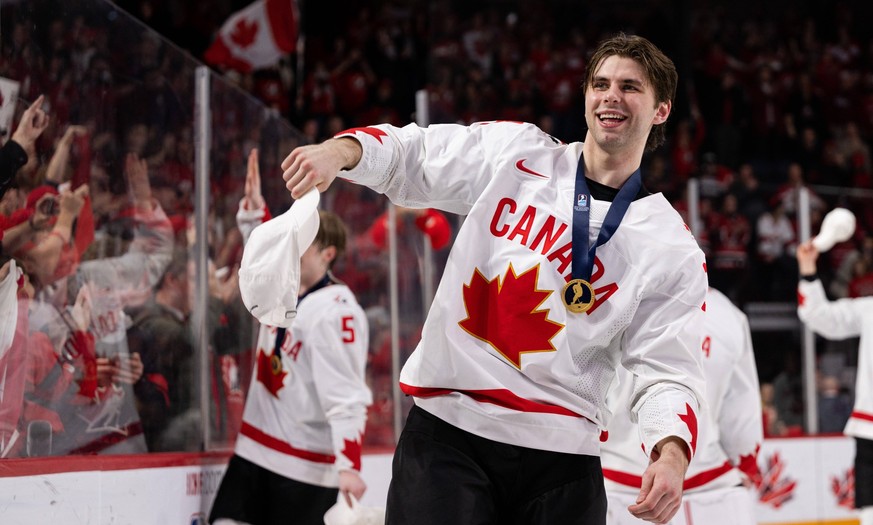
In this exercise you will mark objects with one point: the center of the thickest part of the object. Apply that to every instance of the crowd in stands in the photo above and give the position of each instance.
(98, 232)
(98, 219)
(769, 105)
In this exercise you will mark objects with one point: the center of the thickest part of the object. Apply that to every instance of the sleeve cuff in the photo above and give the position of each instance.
(377, 151)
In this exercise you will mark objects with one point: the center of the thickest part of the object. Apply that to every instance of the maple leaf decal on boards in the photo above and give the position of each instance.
(505, 315)
(244, 32)
(843, 489)
(775, 489)
(272, 382)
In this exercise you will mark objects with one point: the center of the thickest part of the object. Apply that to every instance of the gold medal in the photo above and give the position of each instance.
(578, 295)
(275, 364)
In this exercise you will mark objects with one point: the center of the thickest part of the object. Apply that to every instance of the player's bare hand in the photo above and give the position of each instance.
(316, 166)
(350, 482)
(661, 491)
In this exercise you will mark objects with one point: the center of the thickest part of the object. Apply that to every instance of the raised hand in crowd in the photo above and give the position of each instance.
(253, 199)
(56, 167)
(33, 122)
(252, 207)
(20, 150)
(71, 202)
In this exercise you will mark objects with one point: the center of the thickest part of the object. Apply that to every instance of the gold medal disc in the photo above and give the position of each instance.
(578, 296)
(275, 364)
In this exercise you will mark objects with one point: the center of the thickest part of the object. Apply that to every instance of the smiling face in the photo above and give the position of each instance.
(621, 106)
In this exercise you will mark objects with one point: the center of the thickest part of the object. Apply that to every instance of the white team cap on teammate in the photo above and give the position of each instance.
(269, 274)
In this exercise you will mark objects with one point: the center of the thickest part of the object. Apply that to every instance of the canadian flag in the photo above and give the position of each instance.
(256, 37)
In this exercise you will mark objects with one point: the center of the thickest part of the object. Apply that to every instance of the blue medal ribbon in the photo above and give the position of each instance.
(583, 254)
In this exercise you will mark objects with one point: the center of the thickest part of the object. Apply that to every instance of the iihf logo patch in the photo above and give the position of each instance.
(581, 202)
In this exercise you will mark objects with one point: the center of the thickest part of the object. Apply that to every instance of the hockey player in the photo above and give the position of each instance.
(510, 377)
(730, 436)
(303, 424)
(842, 319)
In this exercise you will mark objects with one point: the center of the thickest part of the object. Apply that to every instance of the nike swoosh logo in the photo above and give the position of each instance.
(521, 167)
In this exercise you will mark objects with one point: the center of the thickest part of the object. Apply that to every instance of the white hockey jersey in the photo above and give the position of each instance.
(500, 355)
(307, 422)
(842, 319)
(731, 430)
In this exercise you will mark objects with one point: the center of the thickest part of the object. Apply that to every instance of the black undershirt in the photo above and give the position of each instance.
(602, 192)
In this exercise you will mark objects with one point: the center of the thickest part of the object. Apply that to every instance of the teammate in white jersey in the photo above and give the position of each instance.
(728, 443)
(510, 376)
(842, 319)
(303, 424)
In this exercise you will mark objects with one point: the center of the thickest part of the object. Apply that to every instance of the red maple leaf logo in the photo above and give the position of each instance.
(505, 315)
(844, 489)
(272, 382)
(690, 419)
(376, 133)
(244, 32)
(800, 298)
(774, 490)
(352, 450)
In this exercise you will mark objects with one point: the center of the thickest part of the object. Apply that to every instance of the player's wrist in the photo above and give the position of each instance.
(350, 151)
(673, 448)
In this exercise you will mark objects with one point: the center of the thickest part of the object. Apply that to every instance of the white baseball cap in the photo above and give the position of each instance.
(269, 274)
(837, 226)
